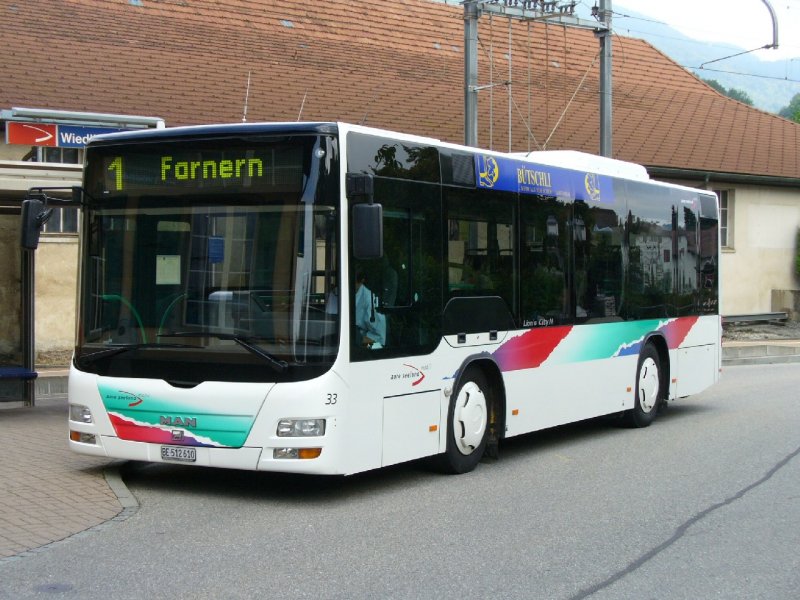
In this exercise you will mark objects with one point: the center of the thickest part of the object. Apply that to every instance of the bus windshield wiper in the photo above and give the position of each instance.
(247, 343)
(87, 359)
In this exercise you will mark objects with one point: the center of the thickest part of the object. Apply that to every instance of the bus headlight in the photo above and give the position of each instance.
(301, 427)
(79, 413)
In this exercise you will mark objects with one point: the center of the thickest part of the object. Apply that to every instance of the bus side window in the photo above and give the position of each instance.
(406, 281)
(544, 260)
(649, 232)
(598, 236)
(481, 243)
(686, 249)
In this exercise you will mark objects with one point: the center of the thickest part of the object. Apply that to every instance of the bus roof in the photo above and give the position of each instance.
(564, 159)
(582, 161)
(232, 129)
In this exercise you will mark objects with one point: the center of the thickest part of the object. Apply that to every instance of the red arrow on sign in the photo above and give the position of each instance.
(31, 134)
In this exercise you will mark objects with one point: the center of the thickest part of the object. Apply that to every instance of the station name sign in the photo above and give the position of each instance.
(52, 135)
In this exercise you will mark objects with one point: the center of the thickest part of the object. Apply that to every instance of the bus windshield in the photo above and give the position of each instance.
(210, 260)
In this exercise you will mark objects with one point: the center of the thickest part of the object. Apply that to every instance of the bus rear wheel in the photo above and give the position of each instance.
(468, 424)
(649, 389)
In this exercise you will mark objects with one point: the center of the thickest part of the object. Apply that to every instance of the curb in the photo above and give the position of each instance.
(761, 353)
(128, 501)
(760, 360)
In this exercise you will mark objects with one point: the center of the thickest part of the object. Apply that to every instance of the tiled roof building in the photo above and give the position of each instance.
(399, 64)
(395, 64)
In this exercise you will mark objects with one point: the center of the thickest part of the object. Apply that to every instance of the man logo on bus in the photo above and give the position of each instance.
(488, 171)
(592, 184)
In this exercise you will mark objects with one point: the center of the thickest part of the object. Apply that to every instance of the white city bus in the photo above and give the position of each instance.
(498, 294)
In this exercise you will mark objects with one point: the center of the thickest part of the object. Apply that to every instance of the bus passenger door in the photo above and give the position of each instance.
(393, 391)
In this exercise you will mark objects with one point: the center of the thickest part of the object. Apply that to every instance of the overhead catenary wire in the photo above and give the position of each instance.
(491, 83)
(510, 80)
(701, 68)
(531, 135)
(489, 53)
(528, 37)
(656, 100)
(566, 108)
(564, 75)
(547, 75)
(686, 40)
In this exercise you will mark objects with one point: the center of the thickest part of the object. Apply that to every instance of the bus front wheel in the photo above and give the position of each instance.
(468, 423)
(649, 389)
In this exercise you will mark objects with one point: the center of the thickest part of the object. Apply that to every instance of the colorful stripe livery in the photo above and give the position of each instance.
(128, 429)
(145, 417)
(141, 417)
(571, 344)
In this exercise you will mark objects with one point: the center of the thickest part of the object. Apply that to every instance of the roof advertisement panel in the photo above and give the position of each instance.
(513, 175)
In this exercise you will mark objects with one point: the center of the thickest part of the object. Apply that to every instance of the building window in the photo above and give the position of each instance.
(71, 156)
(64, 220)
(725, 217)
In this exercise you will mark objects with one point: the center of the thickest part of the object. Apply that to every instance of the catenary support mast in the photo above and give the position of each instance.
(528, 10)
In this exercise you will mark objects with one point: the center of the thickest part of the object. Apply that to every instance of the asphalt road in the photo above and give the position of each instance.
(703, 504)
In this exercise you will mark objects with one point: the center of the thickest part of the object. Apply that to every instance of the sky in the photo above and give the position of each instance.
(732, 24)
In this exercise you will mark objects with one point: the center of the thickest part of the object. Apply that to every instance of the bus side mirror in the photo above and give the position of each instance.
(34, 216)
(367, 217)
(367, 231)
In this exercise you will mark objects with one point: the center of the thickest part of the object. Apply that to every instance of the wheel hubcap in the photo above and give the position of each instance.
(648, 385)
(469, 418)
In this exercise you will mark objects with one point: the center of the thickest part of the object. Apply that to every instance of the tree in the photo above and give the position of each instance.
(792, 112)
(717, 86)
(740, 95)
(734, 93)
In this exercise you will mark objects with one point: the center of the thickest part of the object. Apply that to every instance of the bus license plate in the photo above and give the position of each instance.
(180, 453)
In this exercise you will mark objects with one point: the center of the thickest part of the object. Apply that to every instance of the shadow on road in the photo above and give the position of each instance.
(320, 489)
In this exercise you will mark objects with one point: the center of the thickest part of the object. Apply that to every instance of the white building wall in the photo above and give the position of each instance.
(765, 222)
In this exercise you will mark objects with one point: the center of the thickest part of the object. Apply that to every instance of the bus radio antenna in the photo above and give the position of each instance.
(246, 96)
(302, 105)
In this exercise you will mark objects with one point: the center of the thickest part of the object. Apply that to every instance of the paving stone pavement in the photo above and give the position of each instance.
(47, 492)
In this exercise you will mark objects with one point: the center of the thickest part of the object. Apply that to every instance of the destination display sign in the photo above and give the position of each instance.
(514, 175)
(157, 168)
